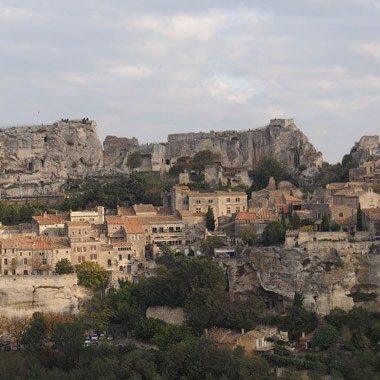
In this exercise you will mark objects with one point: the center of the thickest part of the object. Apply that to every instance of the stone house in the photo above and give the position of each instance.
(32, 255)
(90, 216)
(257, 218)
(121, 229)
(252, 341)
(352, 198)
(48, 224)
(221, 202)
(371, 220)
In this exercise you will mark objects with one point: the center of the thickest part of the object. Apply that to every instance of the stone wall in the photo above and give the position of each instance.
(173, 316)
(25, 295)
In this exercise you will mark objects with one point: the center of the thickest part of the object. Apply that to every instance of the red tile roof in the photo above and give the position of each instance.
(48, 219)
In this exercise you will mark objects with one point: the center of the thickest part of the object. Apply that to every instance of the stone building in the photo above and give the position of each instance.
(221, 202)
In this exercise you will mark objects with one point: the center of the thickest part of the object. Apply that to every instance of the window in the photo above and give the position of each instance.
(20, 254)
(237, 209)
(198, 201)
(154, 229)
(5, 261)
(6, 272)
(198, 210)
(341, 215)
(171, 229)
(129, 256)
(237, 199)
(210, 201)
(228, 199)
(178, 229)
(25, 261)
(109, 263)
(228, 210)
(44, 261)
(121, 268)
(161, 229)
(120, 257)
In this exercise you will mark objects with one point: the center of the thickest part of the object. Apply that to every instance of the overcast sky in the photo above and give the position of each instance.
(148, 68)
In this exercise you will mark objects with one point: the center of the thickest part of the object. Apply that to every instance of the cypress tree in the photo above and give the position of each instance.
(210, 220)
(359, 219)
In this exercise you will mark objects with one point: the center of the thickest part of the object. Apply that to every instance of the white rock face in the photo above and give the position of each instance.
(324, 272)
(25, 295)
(39, 159)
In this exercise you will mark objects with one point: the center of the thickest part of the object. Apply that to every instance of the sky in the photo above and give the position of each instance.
(149, 68)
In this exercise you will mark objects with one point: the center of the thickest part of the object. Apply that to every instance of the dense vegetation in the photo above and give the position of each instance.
(122, 190)
(345, 343)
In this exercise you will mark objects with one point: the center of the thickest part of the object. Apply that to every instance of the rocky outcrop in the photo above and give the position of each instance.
(280, 139)
(368, 146)
(39, 159)
(25, 295)
(324, 272)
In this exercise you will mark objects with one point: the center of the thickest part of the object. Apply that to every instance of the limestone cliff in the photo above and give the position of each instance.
(24, 295)
(325, 273)
(367, 147)
(280, 139)
(39, 159)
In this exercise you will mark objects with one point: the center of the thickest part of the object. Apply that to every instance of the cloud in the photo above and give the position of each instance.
(370, 48)
(15, 14)
(131, 71)
(182, 26)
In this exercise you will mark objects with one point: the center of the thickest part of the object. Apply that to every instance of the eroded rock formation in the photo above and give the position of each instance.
(367, 147)
(280, 139)
(325, 273)
(25, 295)
(39, 159)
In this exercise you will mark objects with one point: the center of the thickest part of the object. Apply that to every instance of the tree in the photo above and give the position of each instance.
(91, 275)
(64, 266)
(202, 159)
(209, 244)
(325, 225)
(325, 336)
(268, 167)
(274, 233)
(296, 223)
(359, 219)
(134, 160)
(16, 327)
(33, 338)
(248, 235)
(210, 220)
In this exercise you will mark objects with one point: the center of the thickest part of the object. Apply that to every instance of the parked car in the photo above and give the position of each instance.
(87, 342)
(109, 337)
(94, 337)
(102, 337)
(376, 237)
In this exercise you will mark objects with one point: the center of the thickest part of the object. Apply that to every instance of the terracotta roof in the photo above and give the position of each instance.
(78, 224)
(144, 208)
(125, 211)
(33, 243)
(181, 187)
(218, 193)
(48, 219)
(372, 213)
(289, 198)
(131, 225)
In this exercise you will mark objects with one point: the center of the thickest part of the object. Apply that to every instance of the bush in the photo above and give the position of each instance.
(274, 233)
(326, 336)
(64, 266)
